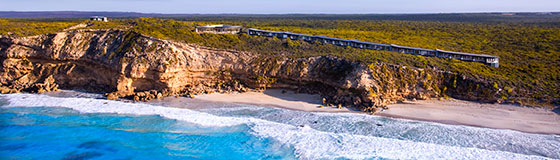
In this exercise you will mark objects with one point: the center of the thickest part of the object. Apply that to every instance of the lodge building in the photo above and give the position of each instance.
(218, 29)
(482, 58)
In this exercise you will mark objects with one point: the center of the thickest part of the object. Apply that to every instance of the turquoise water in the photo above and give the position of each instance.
(60, 133)
(43, 127)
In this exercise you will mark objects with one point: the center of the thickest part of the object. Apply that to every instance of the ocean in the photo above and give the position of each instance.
(34, 126)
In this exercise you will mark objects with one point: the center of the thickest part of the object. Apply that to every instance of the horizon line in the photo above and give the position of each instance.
(292, 13)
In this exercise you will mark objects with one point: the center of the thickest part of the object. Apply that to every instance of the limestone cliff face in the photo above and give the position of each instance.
(127, 64)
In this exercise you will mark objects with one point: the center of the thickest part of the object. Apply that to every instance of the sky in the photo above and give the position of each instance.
(284, 6)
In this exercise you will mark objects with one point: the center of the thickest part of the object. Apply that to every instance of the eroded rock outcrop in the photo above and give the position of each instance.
(125, 64)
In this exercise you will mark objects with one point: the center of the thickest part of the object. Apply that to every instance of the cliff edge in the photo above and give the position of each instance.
(125, 64)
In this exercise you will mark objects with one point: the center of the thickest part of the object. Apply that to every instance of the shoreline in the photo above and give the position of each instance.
(447, 111)
(496, 116)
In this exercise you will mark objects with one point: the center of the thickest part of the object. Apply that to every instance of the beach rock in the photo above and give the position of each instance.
(373, 111)
(140, 94)
(4, 89)
(153, 92)
(112, 96)
(159, 95)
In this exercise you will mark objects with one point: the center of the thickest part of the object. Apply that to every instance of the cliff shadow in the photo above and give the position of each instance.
(557, 110)
(76, 93)
(291, 95)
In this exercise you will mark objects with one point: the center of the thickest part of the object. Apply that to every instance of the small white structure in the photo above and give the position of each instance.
(98, 18)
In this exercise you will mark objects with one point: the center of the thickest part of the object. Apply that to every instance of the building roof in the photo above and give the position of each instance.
(405, 47)
(290, 33)
(260, 30)
(371, 43)
(332, 38)
(218, 26)
(467, 54)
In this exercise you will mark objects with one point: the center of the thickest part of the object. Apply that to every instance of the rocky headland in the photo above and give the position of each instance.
(125, 64)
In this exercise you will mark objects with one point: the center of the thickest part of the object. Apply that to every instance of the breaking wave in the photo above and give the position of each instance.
(344, 138)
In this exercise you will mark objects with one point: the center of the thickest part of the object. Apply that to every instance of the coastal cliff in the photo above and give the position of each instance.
(125, 64)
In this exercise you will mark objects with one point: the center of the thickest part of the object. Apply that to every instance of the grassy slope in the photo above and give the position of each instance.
(528, 49)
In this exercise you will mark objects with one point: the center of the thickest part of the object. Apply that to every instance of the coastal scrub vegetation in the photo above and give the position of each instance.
(29, 27)
(528, 47)
(529, 52)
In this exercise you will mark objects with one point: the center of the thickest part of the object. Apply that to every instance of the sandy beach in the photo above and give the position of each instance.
(501, 116)
(276, 98)
(448, 111)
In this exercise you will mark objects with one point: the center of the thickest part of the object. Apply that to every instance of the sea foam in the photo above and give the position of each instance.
(308, 143)
(408, 130)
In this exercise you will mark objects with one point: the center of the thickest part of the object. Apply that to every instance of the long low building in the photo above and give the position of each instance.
(218, 29)
(482, 58)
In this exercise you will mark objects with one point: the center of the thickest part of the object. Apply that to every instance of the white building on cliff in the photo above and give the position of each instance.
(99, 18)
